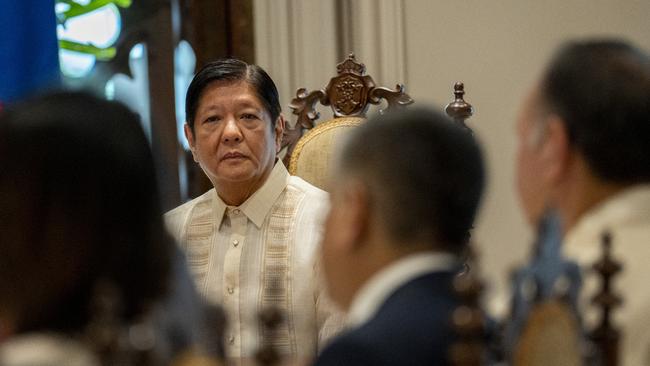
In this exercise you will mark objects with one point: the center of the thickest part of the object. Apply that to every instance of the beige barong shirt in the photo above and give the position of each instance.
(627, 217)
(260, 254)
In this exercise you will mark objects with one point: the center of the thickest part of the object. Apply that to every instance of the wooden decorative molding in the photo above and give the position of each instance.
(468, 319)
(459, 109)
(349, 94)
(606, 335)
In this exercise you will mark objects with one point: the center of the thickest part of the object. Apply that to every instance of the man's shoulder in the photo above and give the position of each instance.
(413, 337)
(428, 298)
(416, 315)
(300, 185)
(187, 206)
(177, 215)
(311, 203)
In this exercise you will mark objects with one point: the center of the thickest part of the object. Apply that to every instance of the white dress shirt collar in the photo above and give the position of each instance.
(258, 205)
(380, 286)
(629, 207)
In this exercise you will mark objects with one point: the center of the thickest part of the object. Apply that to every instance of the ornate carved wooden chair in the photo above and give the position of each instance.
(350, 93)
(545, 325)
(468, 319)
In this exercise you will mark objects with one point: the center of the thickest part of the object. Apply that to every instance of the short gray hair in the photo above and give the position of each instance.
(424, 172)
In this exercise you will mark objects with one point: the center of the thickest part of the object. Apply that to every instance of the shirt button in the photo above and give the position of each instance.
(231, 339)
(231, 290)
(235, 242)
(236, 211)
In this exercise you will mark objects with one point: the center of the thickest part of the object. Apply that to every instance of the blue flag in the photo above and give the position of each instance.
(29, 59)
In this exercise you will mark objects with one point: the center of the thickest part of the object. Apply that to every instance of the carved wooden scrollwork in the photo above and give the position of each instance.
(395, 98)
(303, 106)
(349, 94)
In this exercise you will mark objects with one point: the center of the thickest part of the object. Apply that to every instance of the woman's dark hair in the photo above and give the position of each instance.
(232, 70)
(601, 89)
(79, 205)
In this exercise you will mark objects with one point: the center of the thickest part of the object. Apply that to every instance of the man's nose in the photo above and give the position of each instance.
(231, 132)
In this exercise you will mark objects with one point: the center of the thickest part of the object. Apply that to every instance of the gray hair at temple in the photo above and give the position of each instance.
(425, 175)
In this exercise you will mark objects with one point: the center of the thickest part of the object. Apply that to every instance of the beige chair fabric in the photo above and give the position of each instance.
(551, 337)
(311, 158)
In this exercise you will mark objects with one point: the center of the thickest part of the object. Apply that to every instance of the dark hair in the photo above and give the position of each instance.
(232, 70)
(425, 174)
(601, 89)
(79, 205)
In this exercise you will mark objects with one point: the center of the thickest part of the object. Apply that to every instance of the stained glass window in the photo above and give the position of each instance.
(87, 31)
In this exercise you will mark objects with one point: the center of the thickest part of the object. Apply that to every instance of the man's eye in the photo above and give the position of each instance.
(248, 116)
(212, 119)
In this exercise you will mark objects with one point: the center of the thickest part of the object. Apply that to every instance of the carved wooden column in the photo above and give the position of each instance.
(164, 142)
(218, 28)
(606, 336)
(468, 320)
(215, 29)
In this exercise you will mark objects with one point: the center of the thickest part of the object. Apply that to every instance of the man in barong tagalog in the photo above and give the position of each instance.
(251, 241)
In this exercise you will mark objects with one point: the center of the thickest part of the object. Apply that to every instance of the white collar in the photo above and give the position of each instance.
(258, 205)
(381, 285)
(629, 207)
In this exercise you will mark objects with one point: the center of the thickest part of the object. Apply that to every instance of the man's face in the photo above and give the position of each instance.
(234, 140)
(532, 190)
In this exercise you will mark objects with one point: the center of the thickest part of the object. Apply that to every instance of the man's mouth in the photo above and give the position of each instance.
(233, 155)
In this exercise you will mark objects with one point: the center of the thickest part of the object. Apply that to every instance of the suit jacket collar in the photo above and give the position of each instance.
(379, 287)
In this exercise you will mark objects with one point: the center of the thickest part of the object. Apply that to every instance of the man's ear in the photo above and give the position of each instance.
(279, 131)
(190, 139)
(556, 151)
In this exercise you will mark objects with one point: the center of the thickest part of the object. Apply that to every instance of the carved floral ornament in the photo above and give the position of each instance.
(349, 94)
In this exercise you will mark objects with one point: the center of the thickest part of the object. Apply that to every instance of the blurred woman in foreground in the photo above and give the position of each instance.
(87, 271)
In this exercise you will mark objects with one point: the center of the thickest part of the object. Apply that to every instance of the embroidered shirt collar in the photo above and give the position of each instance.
(381, 286)
(625, 208)
(258, 205)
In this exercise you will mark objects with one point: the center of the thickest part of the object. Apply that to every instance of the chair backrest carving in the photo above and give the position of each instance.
(546, 322)
(544, 309)
(350, 93)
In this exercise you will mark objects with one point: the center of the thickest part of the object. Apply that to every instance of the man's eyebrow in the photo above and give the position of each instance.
(206, 109)
(248, 103)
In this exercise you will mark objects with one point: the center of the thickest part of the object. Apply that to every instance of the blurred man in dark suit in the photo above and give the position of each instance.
(406, 188)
